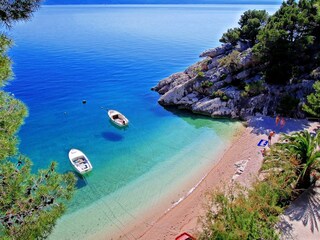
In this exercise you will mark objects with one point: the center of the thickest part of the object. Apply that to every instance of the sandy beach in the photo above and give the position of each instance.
(185, 217)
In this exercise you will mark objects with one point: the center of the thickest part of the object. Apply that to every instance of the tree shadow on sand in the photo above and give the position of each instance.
(263, 125)
(305, 209)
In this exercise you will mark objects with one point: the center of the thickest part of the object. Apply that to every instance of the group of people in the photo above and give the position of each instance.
(281, 120)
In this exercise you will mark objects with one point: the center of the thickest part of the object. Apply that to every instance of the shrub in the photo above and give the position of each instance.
(206, 84)
(220, 94)
(252, 213)
(223, 77)
(224, 98)
(242, 215)
(313, 105)
(230, 61)
(244, 94)
(200, 74)
(254, 88)
(231, 36)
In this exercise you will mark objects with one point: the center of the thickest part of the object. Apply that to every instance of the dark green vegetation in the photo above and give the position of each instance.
(250, 24)
(286, 50)
(313, 105)
(286, 45)
(16, 10)
(30, 203)
(292, 165)
(289, 43)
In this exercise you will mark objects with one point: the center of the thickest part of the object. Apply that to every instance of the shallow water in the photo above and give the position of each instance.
(111, 56)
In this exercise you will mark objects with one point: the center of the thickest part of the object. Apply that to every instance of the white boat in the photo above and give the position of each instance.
(118, 118)
(80, 161)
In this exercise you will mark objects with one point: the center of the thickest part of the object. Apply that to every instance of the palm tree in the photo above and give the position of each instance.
(306, 148)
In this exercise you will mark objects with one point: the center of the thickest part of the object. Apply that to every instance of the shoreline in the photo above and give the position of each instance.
(185, 216)
(150, 228)
(146, 219)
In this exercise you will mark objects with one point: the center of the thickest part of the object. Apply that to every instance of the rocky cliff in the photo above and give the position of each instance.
(229, 82)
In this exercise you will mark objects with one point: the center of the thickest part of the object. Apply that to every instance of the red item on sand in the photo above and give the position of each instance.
(185, 236)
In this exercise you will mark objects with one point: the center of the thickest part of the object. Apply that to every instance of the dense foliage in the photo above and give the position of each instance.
(284, 49)
(313, 105)
(305, 148)
(250, 23)
(15, 10)
(252, 214)
(30, 203)
(289, 43)
(231, 61)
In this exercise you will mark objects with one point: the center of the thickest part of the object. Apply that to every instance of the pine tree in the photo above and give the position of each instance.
(16, 10)
(30, 203)
(313, 105)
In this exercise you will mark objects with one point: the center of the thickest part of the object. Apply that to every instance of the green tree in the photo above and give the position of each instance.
(305, 147)
(313, 105)
(30, 203)
(231, 36)
(289, 43)
(231, 61)
(250, 23)
(16, 10)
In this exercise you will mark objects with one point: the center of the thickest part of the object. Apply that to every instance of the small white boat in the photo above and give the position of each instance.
(118, 118)
(80, 161)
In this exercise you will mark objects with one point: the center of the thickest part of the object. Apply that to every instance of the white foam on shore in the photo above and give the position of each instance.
(187, 195)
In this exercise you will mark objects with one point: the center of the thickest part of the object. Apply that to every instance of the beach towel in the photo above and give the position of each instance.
(262, 143)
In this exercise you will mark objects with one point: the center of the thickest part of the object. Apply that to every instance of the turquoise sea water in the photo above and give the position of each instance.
(111, 56)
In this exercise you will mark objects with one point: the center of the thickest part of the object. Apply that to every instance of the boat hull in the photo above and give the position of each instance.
(118, 118)
(79, 161)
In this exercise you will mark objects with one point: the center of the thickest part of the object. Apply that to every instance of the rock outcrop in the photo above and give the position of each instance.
(228, 83)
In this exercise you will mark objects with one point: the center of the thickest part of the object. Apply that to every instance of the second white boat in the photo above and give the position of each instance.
(118, 118)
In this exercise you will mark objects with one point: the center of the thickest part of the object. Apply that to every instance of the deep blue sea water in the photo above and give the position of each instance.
(111, 56)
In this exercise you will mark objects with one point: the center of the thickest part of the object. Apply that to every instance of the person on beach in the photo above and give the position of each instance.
(270, 137)
(277, 120)
(282, 122)
(263, 152)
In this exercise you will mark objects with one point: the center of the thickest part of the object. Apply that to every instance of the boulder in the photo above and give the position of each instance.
(189, 99)
(246, 59)
(243, 75)
(213, 107)
(174, 95)
(242, 46)
(171, 82)
(213, 52)
(214, 62)
(193, 70)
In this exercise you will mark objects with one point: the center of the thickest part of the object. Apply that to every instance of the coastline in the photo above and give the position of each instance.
(167, 224)
(185, 216)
